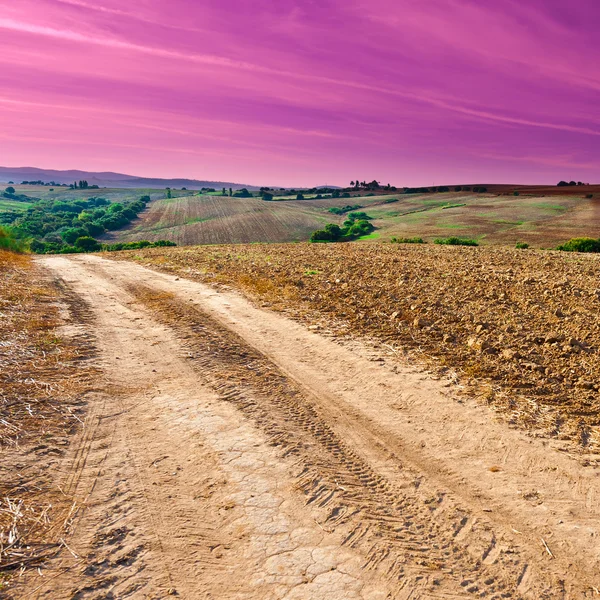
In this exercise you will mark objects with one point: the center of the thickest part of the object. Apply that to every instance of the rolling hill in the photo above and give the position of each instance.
(109, 179)
(492, 218)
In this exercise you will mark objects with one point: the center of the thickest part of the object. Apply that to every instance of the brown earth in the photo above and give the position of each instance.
(229, 452)
(522, 327)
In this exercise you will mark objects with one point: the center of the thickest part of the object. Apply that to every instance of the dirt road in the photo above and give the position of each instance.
(232, 453)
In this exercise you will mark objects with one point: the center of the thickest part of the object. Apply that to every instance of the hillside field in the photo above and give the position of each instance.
(541, 219)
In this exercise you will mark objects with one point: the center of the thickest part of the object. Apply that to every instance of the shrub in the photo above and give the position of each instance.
(9, 242)
(455, 241)
(580, 245)
(87, 244)
(10, 190)
(359, 216)
(522, 245)
(403, 240)
(589, 196)
(516, 194)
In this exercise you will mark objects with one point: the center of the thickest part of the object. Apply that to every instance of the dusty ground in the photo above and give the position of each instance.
(520, 328)
(232, 453)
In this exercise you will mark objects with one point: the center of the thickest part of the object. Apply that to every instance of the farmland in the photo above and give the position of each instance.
(220, 219)
(522, 324)
(542, 220)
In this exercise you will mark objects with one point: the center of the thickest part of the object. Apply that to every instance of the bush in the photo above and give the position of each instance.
(415, 240)
(522, 245)
(455, 241)
(10, 190)
(9, 242)
(359, 216)
(87, 244)
(589, 196)
(580, 245)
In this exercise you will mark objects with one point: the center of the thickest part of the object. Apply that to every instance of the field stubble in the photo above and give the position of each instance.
(42, 381)
(519, 329)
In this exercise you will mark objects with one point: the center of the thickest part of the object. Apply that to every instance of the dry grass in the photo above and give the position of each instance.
(41, 406)
(520, 329)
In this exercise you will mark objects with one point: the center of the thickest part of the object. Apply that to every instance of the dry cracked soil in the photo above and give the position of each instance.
(228, 452)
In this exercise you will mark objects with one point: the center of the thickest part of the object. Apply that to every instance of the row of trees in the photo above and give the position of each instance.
(82, 184)
(570, 183)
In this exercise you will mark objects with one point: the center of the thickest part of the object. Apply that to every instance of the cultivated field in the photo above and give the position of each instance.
(542, 220)
(220, 219)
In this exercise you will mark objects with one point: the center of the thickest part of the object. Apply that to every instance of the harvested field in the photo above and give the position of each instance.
(522, 327)
(221, 219)
(42, 381)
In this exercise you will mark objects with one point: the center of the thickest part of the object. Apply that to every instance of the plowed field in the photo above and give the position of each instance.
(525, 323)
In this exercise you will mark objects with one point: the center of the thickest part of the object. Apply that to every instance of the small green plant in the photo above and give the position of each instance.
(9, 242)
(580, 245)
(404, 240)
(455, 241)
(522, 245)
(516, 194)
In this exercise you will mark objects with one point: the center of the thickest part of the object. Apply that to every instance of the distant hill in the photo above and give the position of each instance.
(109, 179)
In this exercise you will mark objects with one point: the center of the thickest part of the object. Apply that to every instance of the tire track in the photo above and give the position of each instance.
(413, 535)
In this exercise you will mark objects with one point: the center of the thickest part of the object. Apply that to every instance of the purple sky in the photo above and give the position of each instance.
(304, 92)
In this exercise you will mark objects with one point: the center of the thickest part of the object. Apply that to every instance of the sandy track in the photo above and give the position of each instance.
(238, 455)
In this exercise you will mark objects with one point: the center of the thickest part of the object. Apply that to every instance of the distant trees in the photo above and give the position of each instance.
(354, 227)
(82, 184)
(570, 183)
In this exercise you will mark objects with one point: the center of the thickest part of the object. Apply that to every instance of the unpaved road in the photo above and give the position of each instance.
(234, 454)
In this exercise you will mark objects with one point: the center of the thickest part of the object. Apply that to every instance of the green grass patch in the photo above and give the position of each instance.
(548, 206)
(370, 236)
(453, 206)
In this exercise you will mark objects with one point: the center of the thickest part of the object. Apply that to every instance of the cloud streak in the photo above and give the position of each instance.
(381, 88)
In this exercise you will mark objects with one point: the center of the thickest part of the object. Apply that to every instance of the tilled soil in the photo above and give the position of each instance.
(236, 454)
(522, 327)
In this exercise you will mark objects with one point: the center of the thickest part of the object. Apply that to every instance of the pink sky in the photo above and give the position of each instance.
(304, 92)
